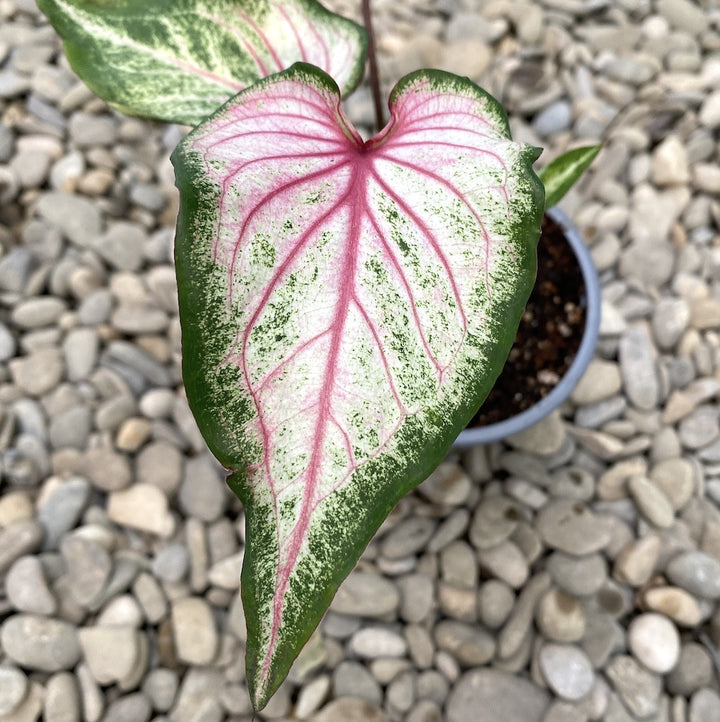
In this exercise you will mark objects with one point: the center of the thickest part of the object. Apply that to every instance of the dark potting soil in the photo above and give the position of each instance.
(549, 334)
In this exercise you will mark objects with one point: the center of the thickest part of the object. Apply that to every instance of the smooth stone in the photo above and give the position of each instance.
(417, 597)
(699, 428)
(636, 562)
(62, 700)
(312, 696)
(194, 631)
(38, 312)
(600, 381)
(353, 679)
(161, 464)
(637, 368)
(693, 670)
(670, 320)
(572, 528)
(40, 643)
(497, 696)
(13, 688)
(138, 320)
(560, 617)
(448, 485)
(674, 603)
(122, 611)
(161, 686)
(18, 538)
(517, 627)
(106, 469)
(505, 562)
(71, 428)
(124, 641)
(171, 563)
(365, 594)
(38, 372)
(30, 709)
(651, 501)
(203, 493)
(408, 537)
(143, 507)
(130, 708)
(226, 572)
(580, 576)
(494, 521)
(654, 640)
(27, 589)
(89, 567)
(494, 603)
(697, 572)
(567, 670)
(77, 217)
(374, 642)
(350, 709)
(704, 705)
(80, 349)
(683, 15)
(88, 130)
(638, 688)
(471, 645)
(676, 478)
(670, 163)
(199, 696)
(62, 508)
(543, 438)
(595, 415)
(122, 246)
(458, 565)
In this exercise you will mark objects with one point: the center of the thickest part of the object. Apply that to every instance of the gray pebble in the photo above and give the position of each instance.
(373, 642)
(80, 349)
(572, 528)
(407, 537)
(353, 679)
(560, 617)
(365, 594)
(71, 428)
(704, 705)
(130, 708)
(62, 701)
(697, 572)
(502, 697)
(580, 576)
(39, 372)
(61, 509)
(637, 367)
(203, 493)
(18, 538)
(41, 643)
(171, 563)
(417, 594)
(693, 670)
(700, 428)
(89, 566)
(88, 130)
(651, 501)
(471, 645)
(27, 589)
(638, 688)
(77, 217)
(13, 688)
(448, 485)
(567, 670)
(160, 686)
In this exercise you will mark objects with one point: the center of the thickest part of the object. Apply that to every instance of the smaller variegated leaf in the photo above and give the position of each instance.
(560, 175)
(179, 60)
(346, 306)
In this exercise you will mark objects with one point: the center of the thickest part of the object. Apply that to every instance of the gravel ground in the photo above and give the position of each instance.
(570, 574)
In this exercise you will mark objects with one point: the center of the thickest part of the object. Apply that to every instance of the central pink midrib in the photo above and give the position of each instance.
(355, 199)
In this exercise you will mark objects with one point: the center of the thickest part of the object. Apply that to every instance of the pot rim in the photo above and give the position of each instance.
(502, 429)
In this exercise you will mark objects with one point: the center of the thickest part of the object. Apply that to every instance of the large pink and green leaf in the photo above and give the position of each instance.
(346, 306)
(179, 60)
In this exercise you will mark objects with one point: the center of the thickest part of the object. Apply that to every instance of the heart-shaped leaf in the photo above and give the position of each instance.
(179, 60)
(345, 306)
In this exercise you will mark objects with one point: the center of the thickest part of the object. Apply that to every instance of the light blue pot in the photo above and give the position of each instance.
(503, 429)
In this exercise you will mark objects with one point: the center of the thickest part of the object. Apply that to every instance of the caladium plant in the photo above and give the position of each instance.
(346, 304)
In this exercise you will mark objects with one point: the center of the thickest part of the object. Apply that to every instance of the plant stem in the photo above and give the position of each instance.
(372, 57)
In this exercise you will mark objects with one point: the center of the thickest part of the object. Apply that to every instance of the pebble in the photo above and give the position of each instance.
(448, 485)
(469, 644)
(89, 567)
(353, 679)
(636, 561)
(637, 367)
(700, 428)
(560, 617)
(161, 464)
(27, 589)
(61, 509)
(143, 507)
(638, 688)
(62, 700)
(674, 603)
(696, 572)
(502, 697)
(676, 478)
(670, 320)
(194, 631)
(417, 597)
(350, 709)
(374, 642)
(654, 640)
(161, 686)
(580, 576)
(693, 670)
(704, 705)
(78, 218)
(408, 537)
(567, 670)
(202, 493)
(651, 501)
(124, 641)
(40, 643)
(543, 438)
(495, 602)
(494, 520)
(365, 594)
(18, 538)
(505, 562)
(38, 372)
(13, 688)
(571, 527)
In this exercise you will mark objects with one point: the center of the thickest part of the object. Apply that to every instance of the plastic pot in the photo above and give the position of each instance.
(494, 432)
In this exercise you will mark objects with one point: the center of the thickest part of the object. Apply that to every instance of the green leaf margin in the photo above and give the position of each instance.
(560, 175)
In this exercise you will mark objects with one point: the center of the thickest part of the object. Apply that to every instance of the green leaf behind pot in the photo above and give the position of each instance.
(561, 175)
(179, 60)
(345, 307)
